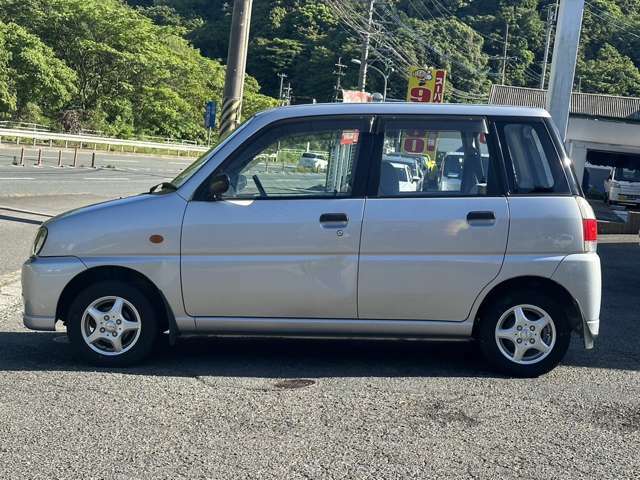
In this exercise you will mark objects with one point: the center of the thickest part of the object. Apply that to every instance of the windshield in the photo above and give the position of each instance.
(452, 166)
(190, 171)
(402, 172)
(627, 174)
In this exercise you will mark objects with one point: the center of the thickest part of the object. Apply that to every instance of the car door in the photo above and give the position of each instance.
(428, 254)
(283, 241)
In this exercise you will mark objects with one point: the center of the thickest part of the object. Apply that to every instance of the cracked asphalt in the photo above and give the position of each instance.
(294, 409)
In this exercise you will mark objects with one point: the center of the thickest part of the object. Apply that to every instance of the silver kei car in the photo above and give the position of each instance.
(243, 242)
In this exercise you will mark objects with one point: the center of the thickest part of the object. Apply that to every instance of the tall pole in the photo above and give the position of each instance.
(236, 65)
(563, 64)
(551, 13)
(282, 77)
(364, 56)
(504, 52)
(339, 74)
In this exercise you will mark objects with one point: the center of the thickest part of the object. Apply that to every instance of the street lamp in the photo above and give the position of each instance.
(385, 76)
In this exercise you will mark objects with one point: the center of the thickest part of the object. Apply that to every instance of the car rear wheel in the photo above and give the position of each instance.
(112, 323)
(525, 334)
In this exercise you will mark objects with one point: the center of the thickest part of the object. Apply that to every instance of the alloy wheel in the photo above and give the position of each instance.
(111, 325)
(525, 334)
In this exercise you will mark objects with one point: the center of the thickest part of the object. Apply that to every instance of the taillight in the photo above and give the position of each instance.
(590, 232)
(589, 226)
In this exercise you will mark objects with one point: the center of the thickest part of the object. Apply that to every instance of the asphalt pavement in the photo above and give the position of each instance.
(267, 408)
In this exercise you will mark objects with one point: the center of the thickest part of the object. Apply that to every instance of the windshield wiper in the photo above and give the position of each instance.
(164, 186)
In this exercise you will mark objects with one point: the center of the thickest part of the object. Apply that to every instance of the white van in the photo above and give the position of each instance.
(623, 186)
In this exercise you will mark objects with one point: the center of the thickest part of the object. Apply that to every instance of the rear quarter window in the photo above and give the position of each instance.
(533, 164)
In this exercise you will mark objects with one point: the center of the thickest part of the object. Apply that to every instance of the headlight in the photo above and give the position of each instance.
(615, 184)
(38, 243)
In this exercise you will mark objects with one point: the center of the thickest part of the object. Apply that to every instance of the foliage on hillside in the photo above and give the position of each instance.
(304, 39)
(108, 67)
(148, 66)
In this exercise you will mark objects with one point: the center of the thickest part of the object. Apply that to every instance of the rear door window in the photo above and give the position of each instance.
(533, 164)
(431, 158)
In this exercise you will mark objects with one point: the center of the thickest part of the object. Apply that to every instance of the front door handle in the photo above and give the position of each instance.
(334, 220)
(481, 216)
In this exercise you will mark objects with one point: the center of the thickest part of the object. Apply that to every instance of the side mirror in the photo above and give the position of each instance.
(219, 185)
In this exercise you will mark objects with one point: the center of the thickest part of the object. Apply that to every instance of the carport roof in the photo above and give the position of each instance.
(582, 104)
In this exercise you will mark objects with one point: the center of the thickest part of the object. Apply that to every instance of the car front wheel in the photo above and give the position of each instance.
(524, 334)
(112, 323)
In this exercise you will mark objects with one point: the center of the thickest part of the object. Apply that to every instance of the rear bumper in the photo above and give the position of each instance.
(580, 274)
(43, 280)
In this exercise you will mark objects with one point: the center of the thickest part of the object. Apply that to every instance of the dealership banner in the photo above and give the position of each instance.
(426, 85)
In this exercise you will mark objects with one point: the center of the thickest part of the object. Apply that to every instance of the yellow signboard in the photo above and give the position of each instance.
(426, 85)
(422, 143)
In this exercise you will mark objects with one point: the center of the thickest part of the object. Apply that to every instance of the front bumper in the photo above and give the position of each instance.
(580, 274)
(43, 280)
(624, 197)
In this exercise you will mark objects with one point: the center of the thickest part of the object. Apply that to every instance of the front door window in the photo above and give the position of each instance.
(308, 160)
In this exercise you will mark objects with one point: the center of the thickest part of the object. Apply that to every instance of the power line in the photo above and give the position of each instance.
(611, 22)
(353, 19)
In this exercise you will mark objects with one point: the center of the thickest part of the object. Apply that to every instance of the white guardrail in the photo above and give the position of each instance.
(93, 139)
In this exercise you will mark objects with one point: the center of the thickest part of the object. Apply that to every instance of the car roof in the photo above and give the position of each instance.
(399, 164)
(400, 108)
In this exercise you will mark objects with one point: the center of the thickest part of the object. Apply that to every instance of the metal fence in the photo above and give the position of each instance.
(41, 133)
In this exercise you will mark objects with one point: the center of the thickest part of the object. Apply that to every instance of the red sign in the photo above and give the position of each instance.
(349, 137)
(356, 96)
(438, 88)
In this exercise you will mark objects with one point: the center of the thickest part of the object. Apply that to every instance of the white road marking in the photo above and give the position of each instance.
(179, 163)
(17, 178)
(105, 178)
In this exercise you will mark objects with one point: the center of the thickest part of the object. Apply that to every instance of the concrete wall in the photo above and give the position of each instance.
(591, 134)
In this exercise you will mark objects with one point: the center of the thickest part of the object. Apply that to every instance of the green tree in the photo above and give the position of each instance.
(132, 76)
(610, 72)
(33, 81)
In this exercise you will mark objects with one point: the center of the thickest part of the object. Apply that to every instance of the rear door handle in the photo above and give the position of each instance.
(334, 220)
(480, 216)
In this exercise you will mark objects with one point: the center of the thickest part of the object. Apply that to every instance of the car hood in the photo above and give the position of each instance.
(117, 227)
(96, 207)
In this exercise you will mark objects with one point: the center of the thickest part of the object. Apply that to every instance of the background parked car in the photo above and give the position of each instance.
(314, 161)
(623, 186)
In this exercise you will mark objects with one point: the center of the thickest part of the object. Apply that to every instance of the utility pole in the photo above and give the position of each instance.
(504, 52)
(551, 17)
(563, 65)
(282, 77)
(287, 94)
(339, 74)
(364, 57)
(236, 66)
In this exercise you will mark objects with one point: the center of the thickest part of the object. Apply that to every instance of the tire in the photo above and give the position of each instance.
(542, 346)
(95, 324)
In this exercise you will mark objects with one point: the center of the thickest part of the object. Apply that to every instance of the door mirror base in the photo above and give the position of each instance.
(219, 185)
